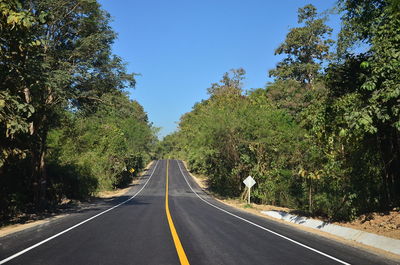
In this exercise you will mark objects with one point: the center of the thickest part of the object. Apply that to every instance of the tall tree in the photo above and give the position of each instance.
(103, 145)
(231, 83)
(377, 23)
(306, 48)
(359, 17)
(63, 60)
(17, 46)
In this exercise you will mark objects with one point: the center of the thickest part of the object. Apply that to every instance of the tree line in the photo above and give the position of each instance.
(324, 136)
(67, 125)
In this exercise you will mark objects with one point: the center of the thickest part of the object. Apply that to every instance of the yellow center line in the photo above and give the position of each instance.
(178, 246)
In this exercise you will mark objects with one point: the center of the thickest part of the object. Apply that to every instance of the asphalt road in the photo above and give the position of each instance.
(134, 229)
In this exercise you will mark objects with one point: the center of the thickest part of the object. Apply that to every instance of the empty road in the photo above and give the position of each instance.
(167, 219)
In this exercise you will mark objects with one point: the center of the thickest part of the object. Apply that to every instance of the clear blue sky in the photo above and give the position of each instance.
(180, 47)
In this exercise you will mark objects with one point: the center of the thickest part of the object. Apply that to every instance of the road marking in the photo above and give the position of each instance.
(178, 246)
(259, 226)
(72, 227)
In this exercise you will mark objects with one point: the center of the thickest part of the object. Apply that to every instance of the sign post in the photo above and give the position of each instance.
(248, 201)
(249, 182)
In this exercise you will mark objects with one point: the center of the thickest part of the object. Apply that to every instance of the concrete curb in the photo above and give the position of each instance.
(376, 241)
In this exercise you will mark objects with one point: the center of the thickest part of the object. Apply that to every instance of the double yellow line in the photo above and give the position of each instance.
(178, 246)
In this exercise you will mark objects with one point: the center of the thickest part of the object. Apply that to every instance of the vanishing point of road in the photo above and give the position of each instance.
(168, 219)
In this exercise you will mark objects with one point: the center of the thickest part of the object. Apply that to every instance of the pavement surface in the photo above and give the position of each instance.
(135, 229)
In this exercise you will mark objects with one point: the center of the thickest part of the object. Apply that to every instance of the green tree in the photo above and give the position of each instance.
(332, 150)
(358, 20)
(231, 135)
(102, 146)
(231, 83)
(306, 48)
(76, 34)
(377, 108)
(15, 45)
(55, 58)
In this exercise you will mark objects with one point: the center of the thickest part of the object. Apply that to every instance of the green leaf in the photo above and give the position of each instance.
(42, 17)
(364, 65)
(11, 19)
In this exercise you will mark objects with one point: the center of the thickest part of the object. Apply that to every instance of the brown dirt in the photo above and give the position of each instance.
(6, 230)
(381, 223)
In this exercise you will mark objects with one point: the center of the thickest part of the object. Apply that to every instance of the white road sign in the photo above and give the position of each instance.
(249, 182)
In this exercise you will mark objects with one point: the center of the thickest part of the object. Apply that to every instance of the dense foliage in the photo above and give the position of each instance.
(324, 137)
(67, 128)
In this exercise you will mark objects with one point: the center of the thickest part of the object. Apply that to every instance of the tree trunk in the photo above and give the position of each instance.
(42, 177)
(390, 154)
(28, 99)
(310, 80)
(310, 197)
(39, 163)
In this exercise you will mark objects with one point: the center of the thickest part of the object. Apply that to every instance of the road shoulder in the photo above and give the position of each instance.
(256, 209)
(73, 208)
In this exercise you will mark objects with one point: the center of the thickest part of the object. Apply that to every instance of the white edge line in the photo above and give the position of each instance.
(259, 226)
(78, 224)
